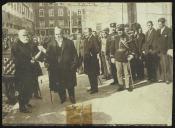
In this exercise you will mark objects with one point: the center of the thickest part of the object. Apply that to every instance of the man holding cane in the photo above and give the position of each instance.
(120, 55)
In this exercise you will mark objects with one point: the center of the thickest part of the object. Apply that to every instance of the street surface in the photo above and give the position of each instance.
(147, 104)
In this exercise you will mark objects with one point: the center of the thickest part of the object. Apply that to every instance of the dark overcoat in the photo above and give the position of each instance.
(62, 73)
(91, 62)
(24, 69)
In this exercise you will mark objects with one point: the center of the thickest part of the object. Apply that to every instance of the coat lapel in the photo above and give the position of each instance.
(63, 46)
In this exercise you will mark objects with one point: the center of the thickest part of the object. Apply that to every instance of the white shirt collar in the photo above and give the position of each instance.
(59, 41)
(162, 29)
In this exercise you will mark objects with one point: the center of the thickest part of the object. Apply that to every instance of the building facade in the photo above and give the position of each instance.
(49, 15)
(16, 16)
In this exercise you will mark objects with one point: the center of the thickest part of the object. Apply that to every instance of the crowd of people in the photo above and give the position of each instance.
(120, 52)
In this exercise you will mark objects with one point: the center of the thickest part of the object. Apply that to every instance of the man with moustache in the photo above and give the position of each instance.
(62, 59)
(24, 70)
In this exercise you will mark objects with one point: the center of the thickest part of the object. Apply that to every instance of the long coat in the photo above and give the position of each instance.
(91, 62)
(24, 69)
(139, 41)
(63, 73)
(164, 41)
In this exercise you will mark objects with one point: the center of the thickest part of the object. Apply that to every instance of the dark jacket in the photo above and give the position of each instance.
(164, 40)
(24, 69)
(119, 50)
(91, 63)
(140, 41)
(111, 38)
(150, 41)
(64, 71)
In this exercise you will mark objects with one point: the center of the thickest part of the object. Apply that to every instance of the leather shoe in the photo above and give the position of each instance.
(29, 105)
(94, 91)
(25, 110)
(89, 90)
(38, 97)
(130, 89)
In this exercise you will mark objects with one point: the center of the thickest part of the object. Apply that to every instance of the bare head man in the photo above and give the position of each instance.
(87, 32)
(23, 36)
(150, 25)
(161, 22)
(58, 33)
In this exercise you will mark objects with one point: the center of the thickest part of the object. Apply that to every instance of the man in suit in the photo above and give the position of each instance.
(110, 39)
(91, 62)
(150, 56)
(24, 70)
(62, 57)
(164, 45)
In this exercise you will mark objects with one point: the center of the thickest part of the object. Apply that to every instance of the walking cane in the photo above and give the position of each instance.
(51, 96)
(130, 73)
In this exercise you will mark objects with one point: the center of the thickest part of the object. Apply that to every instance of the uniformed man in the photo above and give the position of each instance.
(120, 55)
(91, 62)
(110, 39)
(164, 47)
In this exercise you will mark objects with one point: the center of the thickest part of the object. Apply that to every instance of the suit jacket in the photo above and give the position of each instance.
(110, 39)
(64, 70)
(91, 49)
(150, 41)
(164, 41)
(140, 41)
(24, 70)
(119, 50)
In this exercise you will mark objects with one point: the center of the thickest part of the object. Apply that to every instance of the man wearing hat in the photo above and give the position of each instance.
(164, 48)
(120, 55)
(111, 38)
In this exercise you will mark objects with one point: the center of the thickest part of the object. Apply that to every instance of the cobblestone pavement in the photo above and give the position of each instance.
(147, 104)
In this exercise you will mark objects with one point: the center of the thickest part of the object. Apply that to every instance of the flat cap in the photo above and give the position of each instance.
(112, 24)
(106, 29)
(121, 27)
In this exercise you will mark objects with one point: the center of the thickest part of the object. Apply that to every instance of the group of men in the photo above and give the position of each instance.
(121, 52)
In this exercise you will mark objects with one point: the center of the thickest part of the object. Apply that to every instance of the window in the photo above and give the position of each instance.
(61, 23)
(68, 12)
(41, 12)
(51, 12)
(42, 32)
(51, 4)
(42, 24)
(60, 12)
(51, 23)
(41, 4)
(79, 12)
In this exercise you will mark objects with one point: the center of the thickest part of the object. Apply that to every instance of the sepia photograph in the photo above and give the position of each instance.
(87, 63)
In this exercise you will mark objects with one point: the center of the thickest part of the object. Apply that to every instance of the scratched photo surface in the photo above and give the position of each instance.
(87, 63)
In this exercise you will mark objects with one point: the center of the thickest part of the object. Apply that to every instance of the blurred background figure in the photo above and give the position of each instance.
(105, 64)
